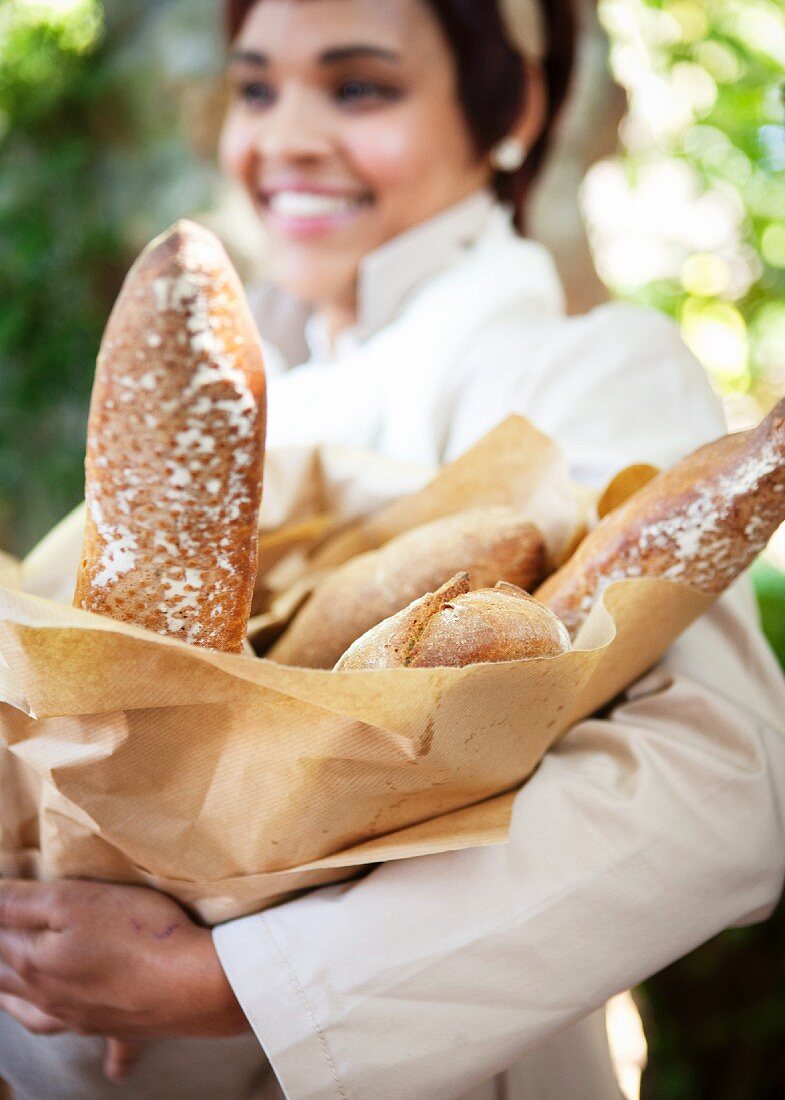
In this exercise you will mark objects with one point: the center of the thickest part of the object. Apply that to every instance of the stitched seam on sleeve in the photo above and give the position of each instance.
(309, 1011)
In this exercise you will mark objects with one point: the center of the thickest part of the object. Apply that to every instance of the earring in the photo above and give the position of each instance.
(508, 155)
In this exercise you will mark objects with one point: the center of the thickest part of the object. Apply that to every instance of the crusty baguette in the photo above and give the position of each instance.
(175, 448)
(701, 522)
(492, 544)
(456, 626)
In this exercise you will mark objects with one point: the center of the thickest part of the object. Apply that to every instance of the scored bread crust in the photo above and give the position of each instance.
(701, 523)
(457, 626)
(490, 544)
(175, 448)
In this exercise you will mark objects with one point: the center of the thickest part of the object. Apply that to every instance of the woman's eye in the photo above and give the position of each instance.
(255, 93)
(361, 92)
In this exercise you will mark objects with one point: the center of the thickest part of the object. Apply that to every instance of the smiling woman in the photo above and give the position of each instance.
(332, 135)
(388, 149)
(337, 108)
(486, 43)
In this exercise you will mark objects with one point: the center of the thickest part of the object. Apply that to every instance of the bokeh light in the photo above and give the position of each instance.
(773, 245)
(76, 22)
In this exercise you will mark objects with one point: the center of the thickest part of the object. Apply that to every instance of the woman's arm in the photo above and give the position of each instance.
(640, 836)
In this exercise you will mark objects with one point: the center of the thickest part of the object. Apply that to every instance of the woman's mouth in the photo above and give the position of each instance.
(305, 213)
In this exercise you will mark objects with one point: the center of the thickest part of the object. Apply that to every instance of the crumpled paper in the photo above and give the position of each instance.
(231, 782)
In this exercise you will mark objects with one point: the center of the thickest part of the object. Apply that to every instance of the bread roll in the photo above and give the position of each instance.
(701, 522)
(175, 448)
(456, 626)
(492, 544)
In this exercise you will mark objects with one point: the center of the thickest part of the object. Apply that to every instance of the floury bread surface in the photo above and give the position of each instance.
(175, 448)
(491, 544)
(701, 523)
(456, 626)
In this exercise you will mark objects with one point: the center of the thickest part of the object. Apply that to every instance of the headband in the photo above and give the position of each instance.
(525, 26)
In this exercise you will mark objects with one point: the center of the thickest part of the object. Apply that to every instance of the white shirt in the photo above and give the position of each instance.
(481, 974)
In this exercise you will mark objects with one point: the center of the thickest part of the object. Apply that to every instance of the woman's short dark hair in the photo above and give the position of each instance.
(491, 78)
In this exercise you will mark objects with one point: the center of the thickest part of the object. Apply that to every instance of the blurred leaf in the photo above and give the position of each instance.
(770, 590)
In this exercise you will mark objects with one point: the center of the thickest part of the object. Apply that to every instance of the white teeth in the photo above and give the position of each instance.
(307, 204)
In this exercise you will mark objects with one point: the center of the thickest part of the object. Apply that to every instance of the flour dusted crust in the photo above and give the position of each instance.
(457, 626)
(701, 522)
(175, 448)
(491, 544)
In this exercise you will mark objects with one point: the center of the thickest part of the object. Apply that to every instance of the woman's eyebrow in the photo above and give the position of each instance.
(250, 57)
(332, 56)
(360, 49)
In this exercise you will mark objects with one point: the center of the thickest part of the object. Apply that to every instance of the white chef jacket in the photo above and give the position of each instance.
(481, 974)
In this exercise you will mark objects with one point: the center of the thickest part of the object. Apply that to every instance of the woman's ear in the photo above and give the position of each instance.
(532, 118)
(509, 154)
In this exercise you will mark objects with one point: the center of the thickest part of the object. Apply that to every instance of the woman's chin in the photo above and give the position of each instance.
(314, 286)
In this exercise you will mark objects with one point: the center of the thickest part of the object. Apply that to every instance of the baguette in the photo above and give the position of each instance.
(490, 543)
(456, 626)
(701, 522)
(175, 449)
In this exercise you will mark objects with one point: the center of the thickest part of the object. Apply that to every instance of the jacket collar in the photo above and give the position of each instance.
(389, 275)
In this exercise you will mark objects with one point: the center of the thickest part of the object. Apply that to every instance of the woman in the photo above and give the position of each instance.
(378, 144)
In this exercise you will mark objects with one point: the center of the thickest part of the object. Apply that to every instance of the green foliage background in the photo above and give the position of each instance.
(92, 164)
(55, 244)
(725, 59)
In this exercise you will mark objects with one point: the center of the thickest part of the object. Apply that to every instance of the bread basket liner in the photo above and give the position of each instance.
(233, 783)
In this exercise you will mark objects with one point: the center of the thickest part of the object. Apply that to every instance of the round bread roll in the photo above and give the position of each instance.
(175, 448)
(491, 544)
(455, 626)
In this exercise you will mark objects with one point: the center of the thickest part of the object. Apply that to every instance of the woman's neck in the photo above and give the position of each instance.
(336, 317)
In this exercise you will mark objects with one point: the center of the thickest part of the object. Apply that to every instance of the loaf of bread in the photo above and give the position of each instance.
(701, 522)
(456, 626)
(175, 448)
(491, 544)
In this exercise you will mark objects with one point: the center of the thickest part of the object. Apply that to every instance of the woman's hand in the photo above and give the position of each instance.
(122, 961)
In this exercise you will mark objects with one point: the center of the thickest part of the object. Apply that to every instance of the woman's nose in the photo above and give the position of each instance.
(294, 129)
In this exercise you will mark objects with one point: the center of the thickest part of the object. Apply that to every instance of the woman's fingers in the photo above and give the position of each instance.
(30, 1017)
(120, 1057)
(19, 951)
(10, 982)
(29, 905)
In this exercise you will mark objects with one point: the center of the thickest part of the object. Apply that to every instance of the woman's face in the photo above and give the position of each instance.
(345, 130)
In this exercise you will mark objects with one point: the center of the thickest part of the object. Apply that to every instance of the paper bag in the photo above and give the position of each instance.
(232, 782)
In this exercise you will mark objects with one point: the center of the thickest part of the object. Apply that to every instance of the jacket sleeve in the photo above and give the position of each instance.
(613, 387)
(642, 833)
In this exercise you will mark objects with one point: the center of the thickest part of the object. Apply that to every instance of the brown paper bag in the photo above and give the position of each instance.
(19, 785)
(232, 782)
